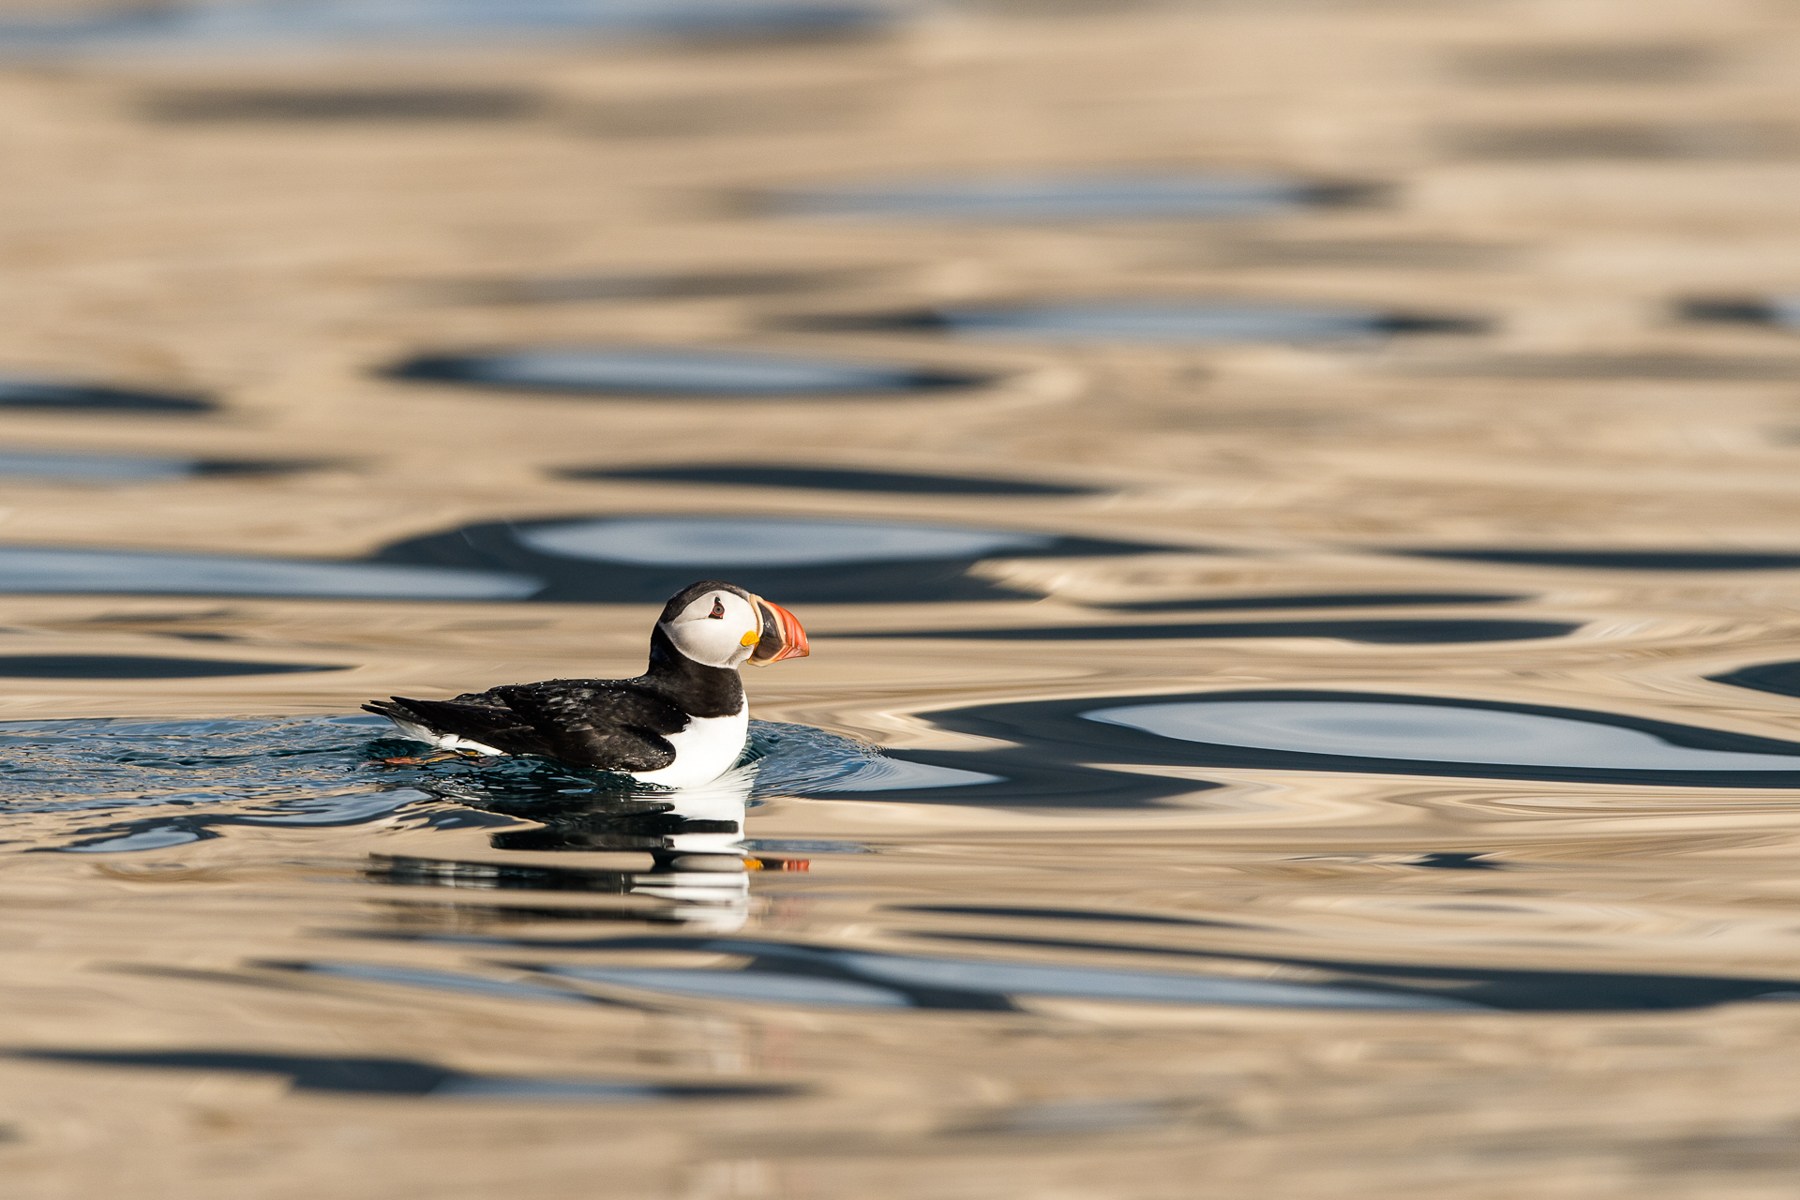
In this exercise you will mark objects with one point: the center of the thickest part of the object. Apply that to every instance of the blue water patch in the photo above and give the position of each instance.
(100, 764)
(139, 784)
(610, 559)
(1778, 311)
(1173, 321)
(62, 395)
(674, 372)
(57, 570)
(133, 785)
(818, 976)
(648, 557)
(1504, 989)
(1120, 196)
(739, 542)
(791, 973)
(72, 467)
(207, 26)
(1376, 733)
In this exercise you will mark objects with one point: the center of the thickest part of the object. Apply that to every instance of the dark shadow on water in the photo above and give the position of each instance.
(728, 111)
(345, 104)
(793, 973)
(28, 392)
(645, 558)
(624, 558)
(65, 467)
(782, 972)
(128, 666)
(830, 479)
(675, 372)
(1497, 988)
(403, 1077)
(1125, 196)
(1370, 632)
(1628, 140)
(1777, 678)
(237, 467)
(1778, 312)
(1621, 560)
(1457, 860)
(1599, 63)
(1317, 600)
(599, 288)
(1170, 321)
(1378, 733)
(1023, 777)
(1432, 254)
(774, 971)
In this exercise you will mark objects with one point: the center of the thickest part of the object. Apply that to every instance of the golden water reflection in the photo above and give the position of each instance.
(1294, 506)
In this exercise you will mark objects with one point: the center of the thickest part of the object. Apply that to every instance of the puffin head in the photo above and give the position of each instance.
(722, 625)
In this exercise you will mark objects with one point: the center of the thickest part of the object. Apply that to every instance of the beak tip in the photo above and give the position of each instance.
(782, 632)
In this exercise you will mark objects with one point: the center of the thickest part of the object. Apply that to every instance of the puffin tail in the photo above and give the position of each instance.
(394, 709)
(403, 713)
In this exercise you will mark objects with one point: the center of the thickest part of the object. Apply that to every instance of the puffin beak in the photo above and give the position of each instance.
(782, 635)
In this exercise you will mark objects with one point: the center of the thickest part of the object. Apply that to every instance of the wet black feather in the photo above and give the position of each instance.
(610, 724)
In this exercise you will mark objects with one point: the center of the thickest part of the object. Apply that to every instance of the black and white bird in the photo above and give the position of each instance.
(682, 723)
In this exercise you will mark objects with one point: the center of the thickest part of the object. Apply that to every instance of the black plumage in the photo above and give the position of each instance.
(610, 724)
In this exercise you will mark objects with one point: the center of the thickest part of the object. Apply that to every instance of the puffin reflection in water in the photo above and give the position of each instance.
(698, 874)
(682, 723)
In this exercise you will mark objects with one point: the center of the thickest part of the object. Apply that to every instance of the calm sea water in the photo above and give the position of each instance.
(1293, 505)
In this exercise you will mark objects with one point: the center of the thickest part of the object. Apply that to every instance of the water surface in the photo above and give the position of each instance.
(674, 372)
(1293, 506)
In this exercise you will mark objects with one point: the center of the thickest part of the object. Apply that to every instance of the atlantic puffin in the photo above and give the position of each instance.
(682, 723)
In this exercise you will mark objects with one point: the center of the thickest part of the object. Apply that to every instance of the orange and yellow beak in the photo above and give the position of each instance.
(782, 635)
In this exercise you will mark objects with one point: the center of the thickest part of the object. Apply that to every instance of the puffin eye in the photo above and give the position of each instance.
(718, 612)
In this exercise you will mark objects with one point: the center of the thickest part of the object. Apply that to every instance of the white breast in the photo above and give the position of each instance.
(705, 750)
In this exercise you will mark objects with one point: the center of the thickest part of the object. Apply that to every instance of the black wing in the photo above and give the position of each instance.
(588, 723)
(490, 724)
(598, 725)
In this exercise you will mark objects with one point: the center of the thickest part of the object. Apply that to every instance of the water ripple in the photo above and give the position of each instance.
(402, 1077)
(1385, 734)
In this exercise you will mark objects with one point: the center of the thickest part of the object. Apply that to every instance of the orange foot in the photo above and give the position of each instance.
(413, 760)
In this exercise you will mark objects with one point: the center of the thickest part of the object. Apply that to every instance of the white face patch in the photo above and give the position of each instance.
(712, 629)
